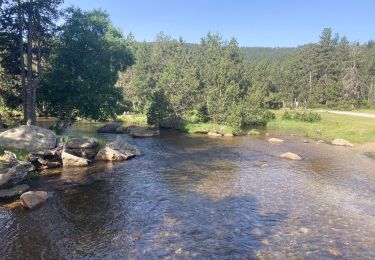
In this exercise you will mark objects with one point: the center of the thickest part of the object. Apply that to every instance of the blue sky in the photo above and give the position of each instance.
(271, 23)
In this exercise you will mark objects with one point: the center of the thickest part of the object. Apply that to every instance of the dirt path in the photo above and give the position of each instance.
(349, 113)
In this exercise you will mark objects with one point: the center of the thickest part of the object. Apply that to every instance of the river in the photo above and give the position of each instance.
(191, 196)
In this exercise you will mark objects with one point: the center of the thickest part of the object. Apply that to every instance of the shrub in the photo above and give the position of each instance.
(286, 116)
(304, 116)
(310, 117)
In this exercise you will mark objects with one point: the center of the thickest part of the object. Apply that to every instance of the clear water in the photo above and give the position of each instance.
(198, 197)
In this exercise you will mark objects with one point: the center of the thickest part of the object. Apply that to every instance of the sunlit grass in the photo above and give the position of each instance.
(332, 126)
(192, 128)
(133, 119)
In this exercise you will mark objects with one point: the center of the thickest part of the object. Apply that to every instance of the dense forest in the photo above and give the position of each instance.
(85, 68)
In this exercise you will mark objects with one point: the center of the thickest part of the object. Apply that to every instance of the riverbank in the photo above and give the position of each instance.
(358, 130)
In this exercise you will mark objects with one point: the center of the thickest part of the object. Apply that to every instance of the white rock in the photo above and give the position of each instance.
(290, 156)
(33, 199)
(341, 142)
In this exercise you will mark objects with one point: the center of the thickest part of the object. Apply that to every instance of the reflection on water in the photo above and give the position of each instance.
(191, 196)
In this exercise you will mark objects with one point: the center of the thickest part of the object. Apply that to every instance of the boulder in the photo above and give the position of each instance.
(15, 175)
(28, 138)
(70, 160)
(109, 154)
(14, 191)
(33, 199)
(213, 134)
(118, 150)
(341, 142)
(82, 147)
(228, 135)
(290, 156)
(275, 140)
(110, 128)
(139, 131)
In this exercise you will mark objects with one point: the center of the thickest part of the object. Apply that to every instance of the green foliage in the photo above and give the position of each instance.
(83, 68)
(304, 116)
(253, 132)
(287, 116)
(133, 119)
(207, 127)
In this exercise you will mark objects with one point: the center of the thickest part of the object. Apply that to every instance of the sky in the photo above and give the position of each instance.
(254, 23)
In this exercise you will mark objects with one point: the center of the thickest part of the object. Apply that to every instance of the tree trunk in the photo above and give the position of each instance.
(1, 122)
(29, 93)
(22, 61)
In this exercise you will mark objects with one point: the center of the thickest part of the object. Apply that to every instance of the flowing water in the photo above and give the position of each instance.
(197, 197)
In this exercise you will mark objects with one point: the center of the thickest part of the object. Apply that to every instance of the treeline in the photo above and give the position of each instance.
(210, 82)
(333, 73)
(219, 82)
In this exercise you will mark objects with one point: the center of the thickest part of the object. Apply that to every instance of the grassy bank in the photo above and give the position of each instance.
(354, 129)
(133, 119)
(192, 128)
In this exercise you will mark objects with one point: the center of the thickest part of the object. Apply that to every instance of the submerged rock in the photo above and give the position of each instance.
(118, 150)
(290, 156)
(70, 160)
(28, 138)
(33, 199)
(139, 131)
(341, 142)
(14, 191)
(275, 140)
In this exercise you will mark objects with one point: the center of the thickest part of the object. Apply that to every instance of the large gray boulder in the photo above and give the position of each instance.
(118, 150)
(14, 191)
(82, 147)
(28, 138)
(15, 175)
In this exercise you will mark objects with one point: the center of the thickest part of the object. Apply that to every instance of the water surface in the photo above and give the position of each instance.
(193, 196)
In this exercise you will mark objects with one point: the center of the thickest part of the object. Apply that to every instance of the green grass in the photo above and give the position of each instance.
(191, 128)
(133, 119)
(21, 155)
(253, 132)
(332, 126)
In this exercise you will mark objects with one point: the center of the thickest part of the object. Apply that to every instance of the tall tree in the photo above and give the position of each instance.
(83, 68)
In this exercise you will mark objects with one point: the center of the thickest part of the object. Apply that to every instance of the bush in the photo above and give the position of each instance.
(286, 116)
(310, 117)
(304, 116)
